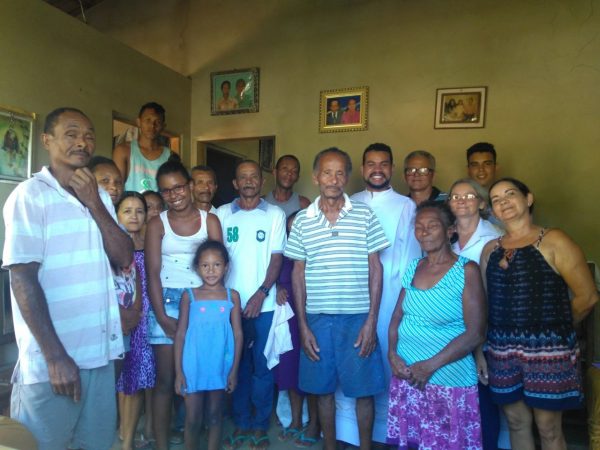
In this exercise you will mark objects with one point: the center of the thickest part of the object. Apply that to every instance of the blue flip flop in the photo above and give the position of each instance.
(303, 441)
(255, 442)
(289, 433)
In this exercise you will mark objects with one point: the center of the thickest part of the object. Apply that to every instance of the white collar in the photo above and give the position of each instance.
(314, 210)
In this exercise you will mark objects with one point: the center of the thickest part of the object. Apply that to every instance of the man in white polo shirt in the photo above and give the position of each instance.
(254, 234)
(61, 239)
(337, 277)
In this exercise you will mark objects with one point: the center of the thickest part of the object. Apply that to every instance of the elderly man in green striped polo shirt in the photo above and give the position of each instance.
(337, 278)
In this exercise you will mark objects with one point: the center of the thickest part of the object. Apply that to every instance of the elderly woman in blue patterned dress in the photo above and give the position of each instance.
(438, 321)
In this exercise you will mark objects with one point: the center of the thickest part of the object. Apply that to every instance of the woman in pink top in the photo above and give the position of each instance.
(351, 115)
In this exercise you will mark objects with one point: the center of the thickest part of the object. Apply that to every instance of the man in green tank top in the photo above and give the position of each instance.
(139, 159)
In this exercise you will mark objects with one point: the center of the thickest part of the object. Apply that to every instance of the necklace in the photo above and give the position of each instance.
(507, 258)
(508, 255)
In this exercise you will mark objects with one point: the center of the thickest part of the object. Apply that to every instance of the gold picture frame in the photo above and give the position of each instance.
(344, 109)
(460, 107)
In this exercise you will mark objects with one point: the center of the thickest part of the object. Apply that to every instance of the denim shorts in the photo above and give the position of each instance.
(171, 300)
(339, 360)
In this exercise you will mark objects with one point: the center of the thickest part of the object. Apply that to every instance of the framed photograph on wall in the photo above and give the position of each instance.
(266, 153)
(16, 140)
(343, 109)
(234, 91)
(460, 107)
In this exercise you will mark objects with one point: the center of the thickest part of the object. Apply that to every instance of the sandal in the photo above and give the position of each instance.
(141, 438)
(289, 433)
(303, 441)
(142, 444)
(176, 437)
(261, 443)
(235, 441)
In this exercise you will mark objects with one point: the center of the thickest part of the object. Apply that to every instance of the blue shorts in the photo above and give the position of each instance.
(171, 300)
(339, 360)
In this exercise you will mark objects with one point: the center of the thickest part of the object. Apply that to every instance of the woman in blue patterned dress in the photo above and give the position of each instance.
(533, 356)
(438, 321)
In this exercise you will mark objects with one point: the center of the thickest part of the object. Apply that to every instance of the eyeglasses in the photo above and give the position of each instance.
(412, 171)
(177, 190)
(457, 197)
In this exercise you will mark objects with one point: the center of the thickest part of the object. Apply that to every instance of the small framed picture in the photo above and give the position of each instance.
(460, 107)
(234, 91)
(16, 139)
(343, 109)
(266, 153)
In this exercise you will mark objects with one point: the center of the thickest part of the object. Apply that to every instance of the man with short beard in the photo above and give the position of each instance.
(396, 213)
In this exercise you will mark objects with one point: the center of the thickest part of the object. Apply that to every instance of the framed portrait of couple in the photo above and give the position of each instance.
(234, 91)
(460, 107)
(343, 109)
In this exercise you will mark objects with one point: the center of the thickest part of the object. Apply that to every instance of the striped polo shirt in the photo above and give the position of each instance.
(336, 256)
(45, 224)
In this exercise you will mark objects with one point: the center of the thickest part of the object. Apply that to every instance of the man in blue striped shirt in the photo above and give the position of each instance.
(337, 278)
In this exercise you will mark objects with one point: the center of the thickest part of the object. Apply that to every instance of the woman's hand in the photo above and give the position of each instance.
(398, 366)
(282, 295)
(169, 326)
(420, 373)
(231, 382)
(180, 384)
(129, 319)
(482, 368)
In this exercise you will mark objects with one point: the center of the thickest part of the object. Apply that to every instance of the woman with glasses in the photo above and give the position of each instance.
(468, 202)
(532, 351)
(171, 242)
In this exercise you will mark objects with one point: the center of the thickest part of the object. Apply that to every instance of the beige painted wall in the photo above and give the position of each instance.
(51, 59)
(539, 59)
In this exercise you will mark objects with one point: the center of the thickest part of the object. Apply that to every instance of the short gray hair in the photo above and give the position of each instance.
(423, 154)
(335, 151)
(479, 190)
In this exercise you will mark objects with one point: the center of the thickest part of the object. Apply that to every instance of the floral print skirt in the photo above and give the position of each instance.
(437, 417)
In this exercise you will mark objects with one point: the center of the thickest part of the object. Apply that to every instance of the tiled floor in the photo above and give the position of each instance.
(575, 430)
(273, 433)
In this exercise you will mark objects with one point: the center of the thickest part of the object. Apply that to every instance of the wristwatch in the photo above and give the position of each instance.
(265, 290)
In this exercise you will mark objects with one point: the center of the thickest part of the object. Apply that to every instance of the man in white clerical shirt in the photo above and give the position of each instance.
(396, 214)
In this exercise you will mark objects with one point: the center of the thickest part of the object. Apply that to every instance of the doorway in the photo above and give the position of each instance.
(223, 163)
(224, 155)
